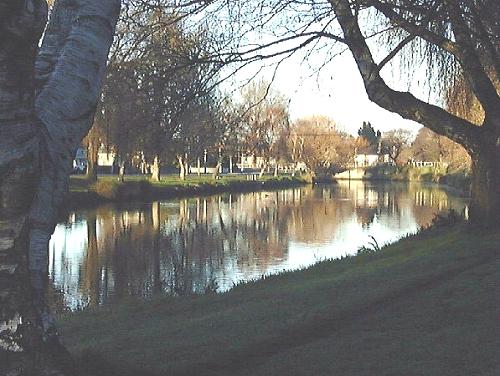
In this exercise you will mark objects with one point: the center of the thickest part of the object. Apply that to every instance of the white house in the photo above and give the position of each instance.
(368, 157)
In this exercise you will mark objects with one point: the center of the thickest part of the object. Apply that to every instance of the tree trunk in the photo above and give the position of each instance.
(218, 167)
(39, 134)
(182, 167)
(92, 157)
(263, 169)
(155, 169)
(28, 341)
(485, 187)
(121, 172)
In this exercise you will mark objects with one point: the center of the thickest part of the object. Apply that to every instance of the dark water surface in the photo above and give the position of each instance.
(190, 245)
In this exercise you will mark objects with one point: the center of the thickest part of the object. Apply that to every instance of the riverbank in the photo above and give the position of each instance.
(140, 188)
(457, 180)
(424, 305)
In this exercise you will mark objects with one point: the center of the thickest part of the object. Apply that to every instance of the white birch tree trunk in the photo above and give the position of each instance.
(155, 169)
(182, 167)
(47, 102)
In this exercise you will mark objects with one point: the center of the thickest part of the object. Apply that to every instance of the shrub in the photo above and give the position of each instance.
(450, 218)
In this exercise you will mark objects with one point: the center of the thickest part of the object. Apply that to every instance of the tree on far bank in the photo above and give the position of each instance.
(394, 142)
(369, 134)
(316, 142)
(199, 129)
(431, 147)
(264, 120)
(155, 101)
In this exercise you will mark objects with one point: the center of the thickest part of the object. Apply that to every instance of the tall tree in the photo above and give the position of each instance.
(264, 119)
(369, 134)
(455, 38)
(48, 96)
(154, 97)
(322, 148)
(394, 142)
(467, 31)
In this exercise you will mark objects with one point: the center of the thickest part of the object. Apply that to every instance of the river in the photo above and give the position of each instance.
(194, 245)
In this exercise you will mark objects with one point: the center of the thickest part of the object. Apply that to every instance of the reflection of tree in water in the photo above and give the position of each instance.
(184, 246)
(365, 216)
(395, 203)
(318, 215)
(91, 267)
(429, 200)
(213, 235)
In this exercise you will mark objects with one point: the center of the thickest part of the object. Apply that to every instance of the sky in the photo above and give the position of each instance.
(337, 92)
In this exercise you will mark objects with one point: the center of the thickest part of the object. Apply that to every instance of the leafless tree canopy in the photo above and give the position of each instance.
(457, 40)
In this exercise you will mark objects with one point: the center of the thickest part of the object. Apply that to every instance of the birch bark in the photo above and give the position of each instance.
(48, 97)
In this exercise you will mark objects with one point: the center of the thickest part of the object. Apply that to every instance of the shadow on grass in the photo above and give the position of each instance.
(91, 364)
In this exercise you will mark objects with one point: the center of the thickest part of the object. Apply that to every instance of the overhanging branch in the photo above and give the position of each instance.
(403, 103)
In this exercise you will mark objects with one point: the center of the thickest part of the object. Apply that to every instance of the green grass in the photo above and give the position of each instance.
(427, 305)
(79, 182)
(139, 187)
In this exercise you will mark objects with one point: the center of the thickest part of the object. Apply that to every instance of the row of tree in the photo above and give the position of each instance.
(154, 103)
(155, 111)
(158, 106)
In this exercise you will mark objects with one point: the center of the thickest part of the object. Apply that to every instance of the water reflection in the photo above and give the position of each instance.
(191, 245)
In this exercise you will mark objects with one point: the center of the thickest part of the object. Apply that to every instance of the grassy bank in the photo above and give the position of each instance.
(109, 188)
(426, 305)
(455, 179)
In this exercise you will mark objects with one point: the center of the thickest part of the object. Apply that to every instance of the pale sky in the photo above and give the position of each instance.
(339, 93)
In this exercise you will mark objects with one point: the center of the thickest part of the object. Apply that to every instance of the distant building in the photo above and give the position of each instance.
(106, 158)
(369, 157)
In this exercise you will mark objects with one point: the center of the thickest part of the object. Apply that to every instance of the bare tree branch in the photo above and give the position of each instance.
(405, 104)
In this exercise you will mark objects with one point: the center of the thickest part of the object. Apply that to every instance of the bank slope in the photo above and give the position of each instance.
(108, 188)
(427, 305)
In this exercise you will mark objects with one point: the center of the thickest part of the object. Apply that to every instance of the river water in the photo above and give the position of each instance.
(200, 244)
